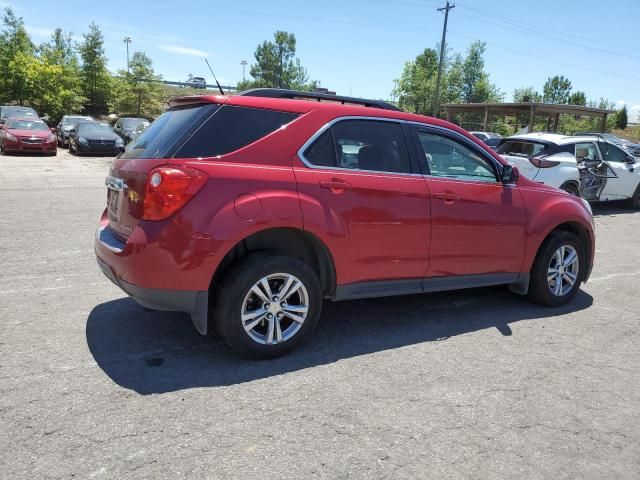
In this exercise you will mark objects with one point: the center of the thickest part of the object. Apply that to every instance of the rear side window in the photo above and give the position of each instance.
(520, 148)
(361, 145)
(169, 131)
(232, 128)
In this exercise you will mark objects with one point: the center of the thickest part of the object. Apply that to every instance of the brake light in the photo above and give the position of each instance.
(168, 189)
(542, 163)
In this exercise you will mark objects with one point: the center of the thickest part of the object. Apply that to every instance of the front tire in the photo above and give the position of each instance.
(267, 305)
(557, 271)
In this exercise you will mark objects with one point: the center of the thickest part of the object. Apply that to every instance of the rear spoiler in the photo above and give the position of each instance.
(196, 99)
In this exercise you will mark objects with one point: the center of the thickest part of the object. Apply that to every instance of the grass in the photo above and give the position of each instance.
(631, 133)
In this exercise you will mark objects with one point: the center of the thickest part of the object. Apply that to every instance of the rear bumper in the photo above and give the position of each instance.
(194, 303)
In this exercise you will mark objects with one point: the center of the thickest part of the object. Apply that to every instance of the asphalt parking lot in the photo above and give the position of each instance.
(476, 384)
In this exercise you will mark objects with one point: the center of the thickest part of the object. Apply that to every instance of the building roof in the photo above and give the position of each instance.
(525, 107)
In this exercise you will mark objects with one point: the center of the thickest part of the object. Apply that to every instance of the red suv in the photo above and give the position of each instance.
(248, 210)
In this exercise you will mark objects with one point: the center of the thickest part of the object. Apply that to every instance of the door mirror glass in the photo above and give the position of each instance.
(510, 174)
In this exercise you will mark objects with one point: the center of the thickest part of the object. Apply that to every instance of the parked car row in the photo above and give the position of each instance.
(22, 130)
(248, 210)
(589, 166)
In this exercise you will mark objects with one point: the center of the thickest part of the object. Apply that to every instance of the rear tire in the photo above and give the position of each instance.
(268, 329)
(571, 188)
(548, 271)
(634, 202)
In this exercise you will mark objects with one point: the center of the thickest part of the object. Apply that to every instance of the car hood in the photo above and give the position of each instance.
(29, 133)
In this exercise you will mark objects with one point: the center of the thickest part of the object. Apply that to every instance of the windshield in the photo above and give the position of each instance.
(133, 122)
(521, 148)
(20, 112)
(164, 136)
(72, 120)
(27, 125)
(93, 129)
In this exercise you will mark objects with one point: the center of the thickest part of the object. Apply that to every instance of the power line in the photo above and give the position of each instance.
(546, 59)
(551, 37)
(537, 28)
(422, 29)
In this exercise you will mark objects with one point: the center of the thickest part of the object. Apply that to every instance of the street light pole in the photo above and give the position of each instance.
(127, 40)
(244, 64)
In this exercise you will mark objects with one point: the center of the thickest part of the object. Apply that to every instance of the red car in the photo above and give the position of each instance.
(27, 135)
(248, 210)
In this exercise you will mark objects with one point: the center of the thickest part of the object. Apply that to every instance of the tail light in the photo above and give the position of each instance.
(168, 189)
(542, 163)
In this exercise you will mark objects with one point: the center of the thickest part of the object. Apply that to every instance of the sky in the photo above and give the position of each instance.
(358, 47)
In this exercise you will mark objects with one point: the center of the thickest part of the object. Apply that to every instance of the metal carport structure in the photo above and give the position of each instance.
(549, 110)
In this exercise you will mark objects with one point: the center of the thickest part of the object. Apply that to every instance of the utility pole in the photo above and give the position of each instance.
(127, 40)
(244, 64)
(436, 100)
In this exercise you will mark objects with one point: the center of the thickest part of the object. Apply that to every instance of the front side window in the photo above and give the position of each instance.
(448, 158)
(612, 153)
(372, 145)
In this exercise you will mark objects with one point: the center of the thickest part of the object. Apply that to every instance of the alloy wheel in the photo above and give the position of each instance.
(562, 273)
(275, 308)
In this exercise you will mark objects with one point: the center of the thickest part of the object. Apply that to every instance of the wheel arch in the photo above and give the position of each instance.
(283, 240)
(579, 230)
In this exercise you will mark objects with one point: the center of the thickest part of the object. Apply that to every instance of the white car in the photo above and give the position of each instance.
(590, 167)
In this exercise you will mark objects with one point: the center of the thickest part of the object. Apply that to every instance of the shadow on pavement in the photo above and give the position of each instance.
(620, 207)
(157, 352)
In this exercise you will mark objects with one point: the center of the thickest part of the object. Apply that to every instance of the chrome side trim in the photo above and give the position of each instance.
(456, 135)
(328, 125)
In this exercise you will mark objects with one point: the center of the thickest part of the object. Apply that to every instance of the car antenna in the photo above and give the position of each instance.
(214, 77)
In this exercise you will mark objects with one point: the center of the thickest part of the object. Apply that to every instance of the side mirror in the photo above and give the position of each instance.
(510, 174)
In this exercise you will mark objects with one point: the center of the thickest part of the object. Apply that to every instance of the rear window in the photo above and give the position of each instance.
(232, 128)
(521, 148)
(169, 131)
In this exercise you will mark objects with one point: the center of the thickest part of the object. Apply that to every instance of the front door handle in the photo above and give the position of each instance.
(447, 197)
(336, 186)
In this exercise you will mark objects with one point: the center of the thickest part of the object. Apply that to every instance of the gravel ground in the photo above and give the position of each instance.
(476, 384)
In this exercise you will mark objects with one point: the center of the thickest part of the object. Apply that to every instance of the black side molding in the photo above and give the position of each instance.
(389, 288)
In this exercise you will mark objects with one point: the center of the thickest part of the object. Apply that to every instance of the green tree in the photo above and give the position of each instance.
(578, 98)
(526, 94)
(416, 86)
(15, 48)
(556, 90)
(621, 118)
(95, 76)
(277, 66)
(475, 85)
(138, 91)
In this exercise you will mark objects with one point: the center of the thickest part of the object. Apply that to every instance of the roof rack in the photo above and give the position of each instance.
(294, 94)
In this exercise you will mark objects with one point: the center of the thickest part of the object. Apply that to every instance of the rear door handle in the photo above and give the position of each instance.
(335, 185)
(447, 197)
